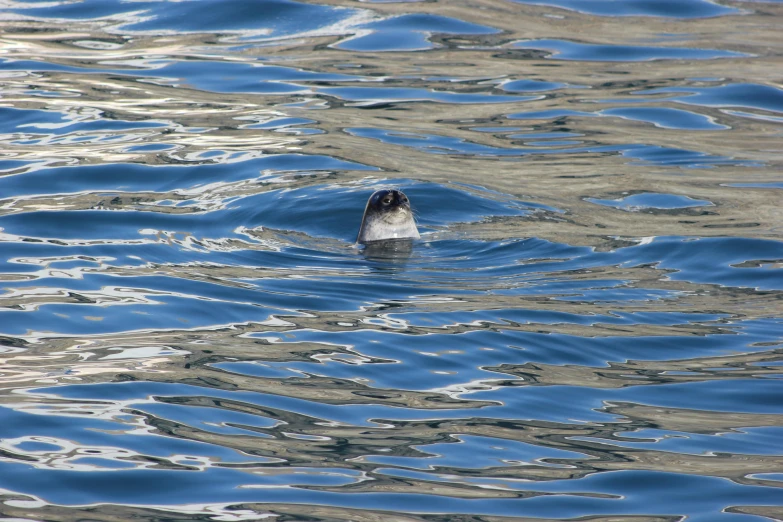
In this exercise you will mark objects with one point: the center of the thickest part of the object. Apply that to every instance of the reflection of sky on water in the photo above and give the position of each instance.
(647, 153)
(663, 8)
(565, 50)
(408, 32)
(752, 96)
(642, 201)
(270, 17)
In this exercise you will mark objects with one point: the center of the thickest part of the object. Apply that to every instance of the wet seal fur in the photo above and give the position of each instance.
(387, 216)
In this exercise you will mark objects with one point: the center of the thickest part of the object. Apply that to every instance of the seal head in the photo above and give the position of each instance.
(387, 216)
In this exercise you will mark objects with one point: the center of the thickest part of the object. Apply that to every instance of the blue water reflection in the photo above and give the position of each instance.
(746, 95)
(666, 118)
(566, 50)
(637, 202)
(663, 8)
(408, 32)
(448, 145)
(278, 17)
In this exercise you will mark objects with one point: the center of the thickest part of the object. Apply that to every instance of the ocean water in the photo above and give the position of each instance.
(590, 327)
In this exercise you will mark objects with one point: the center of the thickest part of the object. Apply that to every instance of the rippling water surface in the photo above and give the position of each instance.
(590, 327)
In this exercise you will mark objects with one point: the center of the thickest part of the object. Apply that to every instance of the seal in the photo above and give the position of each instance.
(387, 215)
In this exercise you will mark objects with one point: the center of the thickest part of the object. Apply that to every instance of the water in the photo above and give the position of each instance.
(589, 329)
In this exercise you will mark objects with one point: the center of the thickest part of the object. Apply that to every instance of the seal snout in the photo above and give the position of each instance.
(385, 200)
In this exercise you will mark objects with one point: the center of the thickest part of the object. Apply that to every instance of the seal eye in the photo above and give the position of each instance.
(387, 200)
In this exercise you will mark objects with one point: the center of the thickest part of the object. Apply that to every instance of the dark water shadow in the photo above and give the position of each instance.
(390, 255)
